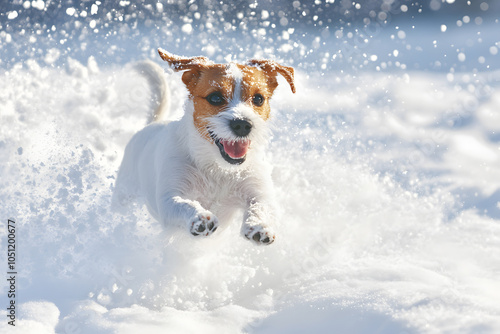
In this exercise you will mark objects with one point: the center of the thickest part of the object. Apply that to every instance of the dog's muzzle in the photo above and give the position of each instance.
(235, 151)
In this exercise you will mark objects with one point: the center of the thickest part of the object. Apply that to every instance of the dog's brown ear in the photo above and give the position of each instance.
(178, 63)
(272, 68)
(192, 66)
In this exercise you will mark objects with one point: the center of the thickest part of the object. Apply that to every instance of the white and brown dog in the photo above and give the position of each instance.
(198, 171)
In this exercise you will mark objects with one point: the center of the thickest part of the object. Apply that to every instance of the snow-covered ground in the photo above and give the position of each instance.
(387, 175)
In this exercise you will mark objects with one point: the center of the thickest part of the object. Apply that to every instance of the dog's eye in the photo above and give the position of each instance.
(216, 99)
(258, 100)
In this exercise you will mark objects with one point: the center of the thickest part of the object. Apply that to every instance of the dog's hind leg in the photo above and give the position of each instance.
(159, 87)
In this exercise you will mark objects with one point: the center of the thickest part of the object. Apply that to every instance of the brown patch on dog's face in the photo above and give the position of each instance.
(255, 90)
(257, 82)
(214, 87)
(202, 83)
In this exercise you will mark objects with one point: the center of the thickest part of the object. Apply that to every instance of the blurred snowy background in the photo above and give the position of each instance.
(311, 35)
(387, 166)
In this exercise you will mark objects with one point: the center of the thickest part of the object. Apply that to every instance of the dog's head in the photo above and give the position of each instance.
(230, 101)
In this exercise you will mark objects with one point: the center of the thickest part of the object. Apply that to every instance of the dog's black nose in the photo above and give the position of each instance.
(240, 127)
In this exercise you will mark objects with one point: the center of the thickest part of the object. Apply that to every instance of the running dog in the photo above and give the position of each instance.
(198, 171)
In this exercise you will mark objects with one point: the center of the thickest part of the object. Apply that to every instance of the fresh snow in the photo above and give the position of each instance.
(387, 178)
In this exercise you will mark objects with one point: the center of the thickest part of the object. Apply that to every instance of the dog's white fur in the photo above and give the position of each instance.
(184, 179)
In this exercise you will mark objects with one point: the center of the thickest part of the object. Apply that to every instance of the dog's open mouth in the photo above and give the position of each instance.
(233, 152)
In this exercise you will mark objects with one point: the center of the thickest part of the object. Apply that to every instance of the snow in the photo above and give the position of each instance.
(388, 181)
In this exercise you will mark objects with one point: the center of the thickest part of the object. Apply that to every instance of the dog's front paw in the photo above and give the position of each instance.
(260, 234)
(203, 224)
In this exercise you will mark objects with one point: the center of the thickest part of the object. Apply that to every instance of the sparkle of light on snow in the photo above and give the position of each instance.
(12, 15)
(435, 5)
(38, 4)
(94, 9)
(187, 28)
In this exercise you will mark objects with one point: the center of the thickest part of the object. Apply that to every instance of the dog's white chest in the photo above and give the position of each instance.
(216, 193)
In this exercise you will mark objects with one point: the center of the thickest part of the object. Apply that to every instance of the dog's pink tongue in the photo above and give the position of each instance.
(236, 149)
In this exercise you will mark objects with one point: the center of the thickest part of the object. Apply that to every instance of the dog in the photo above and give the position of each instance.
(198, 171)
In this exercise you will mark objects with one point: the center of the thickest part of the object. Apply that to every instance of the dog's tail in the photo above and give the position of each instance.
(160, 91)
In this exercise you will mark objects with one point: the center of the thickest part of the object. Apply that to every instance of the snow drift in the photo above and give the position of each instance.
(364, 242)
(388, 183)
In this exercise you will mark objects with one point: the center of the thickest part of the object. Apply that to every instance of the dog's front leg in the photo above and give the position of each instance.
(255, 227)
(185, 212)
